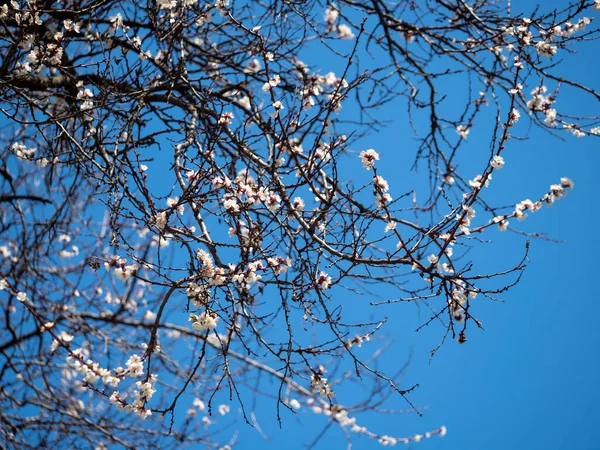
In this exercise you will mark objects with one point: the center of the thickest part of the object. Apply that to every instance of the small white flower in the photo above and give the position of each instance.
(545, 49)
(135, 366)
(225, 118)
(516, 89)
(173, 204)
(205, 321)
(323, 281)
(497, 162)
(463, 131)
(567, 183)
(368, 158)
(344, 32)
(381, 183)
(273, 82)
(298, 204)
(160, 220)
(382, 200)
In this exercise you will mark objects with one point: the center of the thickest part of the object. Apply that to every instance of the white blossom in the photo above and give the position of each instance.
(497, 162)
(344, 32)
(208, 320)
(463, 131)
(173, 203)
(545, 49)
(323, 281)
(368, 158)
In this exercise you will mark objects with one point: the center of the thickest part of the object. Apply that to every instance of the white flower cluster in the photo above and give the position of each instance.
(319, 384)
(198, 294)
(460, 295)
(329, 86)
(323, 281)
(221, 6)
(121, 271)
(434, 259)
(63, 238)
(514, 117)
(556, 192)
(198, 405)
(85, 95)
(175, 205)
(391, 441)
(567, 30)
(339, 414)
(502, 222)
(166, 4)
(464, 218)
(215, 275)
(358, 340)
(542, 103)
(40, 58)
(544, 46)
(63, 338)
(21, 151)
(368, 158)
(91, 370)
(135, 367)
(476, 182)
(143, 394)
(463, 131)
(248, 276)
(208, 320)
(244, 192)
(497, 162)
(298, 204)
(382, 198)
(279, 265)
(74, 27)
(160, 220)
(273, 82)
(575, 129)
(225, 119)
(331, 17)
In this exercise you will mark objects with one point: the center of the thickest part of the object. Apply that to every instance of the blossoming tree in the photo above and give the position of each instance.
(188, 200)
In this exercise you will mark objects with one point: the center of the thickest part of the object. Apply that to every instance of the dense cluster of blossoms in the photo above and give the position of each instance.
(142, 395)
(208, 320)
(122, 271)
(92, 371)
(319, 384)
(21, 151)
(368, 158)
